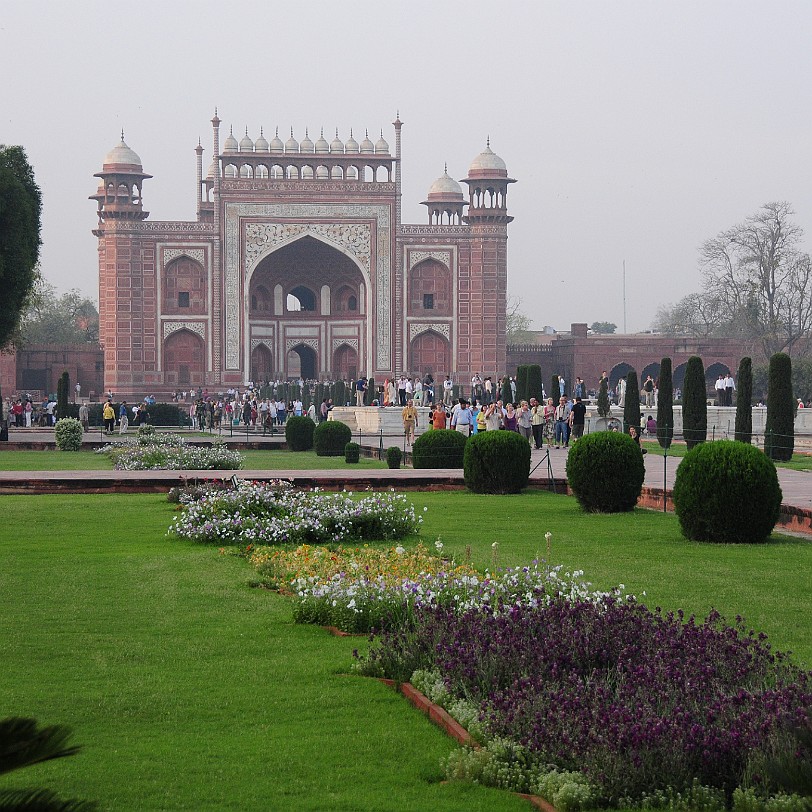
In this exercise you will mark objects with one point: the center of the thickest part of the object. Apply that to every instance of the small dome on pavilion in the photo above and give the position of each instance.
(212, 170)
(306, 145)
(246, 144)
(121, 154)
(446, 188)
(487, 163)
(351, 145)
(321, 145)
(261, 145)
(276, 143)
(367, 147)
(381, 147)
(337, 145)
(291, 145)
(230, 144)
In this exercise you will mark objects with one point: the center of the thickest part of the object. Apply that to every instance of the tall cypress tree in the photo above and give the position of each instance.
(779, 435)
(694, 403)
(744, 401)
(631, 406)
(603, 399)
(665, 405)
(62, 395)
(554, 389)
(521, 382)
(507, 393)
(534, 382)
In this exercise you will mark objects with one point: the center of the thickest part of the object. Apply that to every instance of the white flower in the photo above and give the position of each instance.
(400, 550)
(439, 545)
(548, 535)
(495, 545)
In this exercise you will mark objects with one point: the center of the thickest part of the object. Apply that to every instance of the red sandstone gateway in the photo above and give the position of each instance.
(298, 265)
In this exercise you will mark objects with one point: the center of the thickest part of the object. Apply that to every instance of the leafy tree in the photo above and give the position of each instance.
(665, 405)
(518, 324)
(744, 401)
(51, 319)
(534, 386)
(694, 403)
(631, 405)
(779, 434)
(20, 221)
(603, 327)
(696, 314)
(603, 399)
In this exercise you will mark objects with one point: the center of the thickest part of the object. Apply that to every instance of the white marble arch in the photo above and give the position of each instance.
(249, 272)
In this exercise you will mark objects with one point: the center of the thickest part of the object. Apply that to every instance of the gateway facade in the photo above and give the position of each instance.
(298, 265)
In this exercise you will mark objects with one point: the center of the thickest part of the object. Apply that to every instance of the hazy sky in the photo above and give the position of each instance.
(636, 130)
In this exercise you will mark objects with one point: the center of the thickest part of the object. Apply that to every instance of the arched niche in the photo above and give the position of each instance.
(302, 362)
(184, 289)
(261, 363)
(345, 363)
(430, 352)
(184, 359)
(429, 289)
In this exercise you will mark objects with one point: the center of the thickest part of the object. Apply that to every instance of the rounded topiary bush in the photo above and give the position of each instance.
(393, 456)
(605, 471)
(352, 452)
(68, 433)
(727, 491)
(299, 433)
(439, 448)
(497, 462)
(330, 438)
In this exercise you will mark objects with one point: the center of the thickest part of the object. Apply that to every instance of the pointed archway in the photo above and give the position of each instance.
(302, 362)
(430, 352)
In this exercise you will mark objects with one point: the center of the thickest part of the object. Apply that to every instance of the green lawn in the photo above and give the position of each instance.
(89, 461)
(189, 690)
(799, 461)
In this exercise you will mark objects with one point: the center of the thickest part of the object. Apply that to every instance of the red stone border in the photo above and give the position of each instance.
(453, 728)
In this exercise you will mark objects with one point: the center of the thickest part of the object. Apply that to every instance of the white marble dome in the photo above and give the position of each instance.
(122, 154)
(487, 162)
(381, 147)
(291, 145)
(337, 145)
(276, 143)
(351, 145)
(445, 188)
(230, 144)
(367, 147)
(306, 145)
(261, 144)
(246, 144)
(321, 145)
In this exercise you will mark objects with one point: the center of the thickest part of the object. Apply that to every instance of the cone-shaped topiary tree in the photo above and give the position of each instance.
(62, 395)
(521, 382)
(507, 394)
(370, 394)
(694, 403)
(603, 399)
(665, 405)
(631, 406)
(553, 391)
(744, 401)
(534, 382)
(779, 434)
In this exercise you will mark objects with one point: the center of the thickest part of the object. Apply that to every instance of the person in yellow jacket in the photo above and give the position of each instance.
(109, 417)
(409, 415)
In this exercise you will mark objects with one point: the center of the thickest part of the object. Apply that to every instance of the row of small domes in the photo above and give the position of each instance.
(275, 146)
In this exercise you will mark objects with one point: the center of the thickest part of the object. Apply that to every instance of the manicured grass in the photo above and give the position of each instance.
(189, 690)
(256, 460)
(799, 461)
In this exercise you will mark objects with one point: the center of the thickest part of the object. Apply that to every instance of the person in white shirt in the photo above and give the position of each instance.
(730, 388)
(719, 386)
(448, 390)
(462, 419)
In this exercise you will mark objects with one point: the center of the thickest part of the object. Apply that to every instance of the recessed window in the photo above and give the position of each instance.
(352, 303)
(428, 301)
(183, 298)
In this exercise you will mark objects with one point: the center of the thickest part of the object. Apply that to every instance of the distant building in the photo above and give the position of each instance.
(298, 264)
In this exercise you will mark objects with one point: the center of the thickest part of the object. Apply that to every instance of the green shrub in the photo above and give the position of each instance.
(330, 437)
(534, 382)
(605, 471)
(497, 462)
(779, 433)
(439, 448)
(393, 456)
(726, 491)
(744, 401)
(299, 433)
(694, 403)
(352, 452)
(665, 405)
(68, 433)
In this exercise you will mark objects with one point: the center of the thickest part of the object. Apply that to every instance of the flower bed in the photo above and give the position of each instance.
(159, 452)
(256, 513)
(629, 706)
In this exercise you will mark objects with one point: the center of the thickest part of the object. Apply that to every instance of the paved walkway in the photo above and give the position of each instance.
(796, 485)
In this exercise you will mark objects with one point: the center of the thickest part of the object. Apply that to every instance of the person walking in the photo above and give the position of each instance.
(409, 416)
(461, 419)
(537, 423)
(577, 418)
(123, 419)
(109, 417)
(562, 435)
